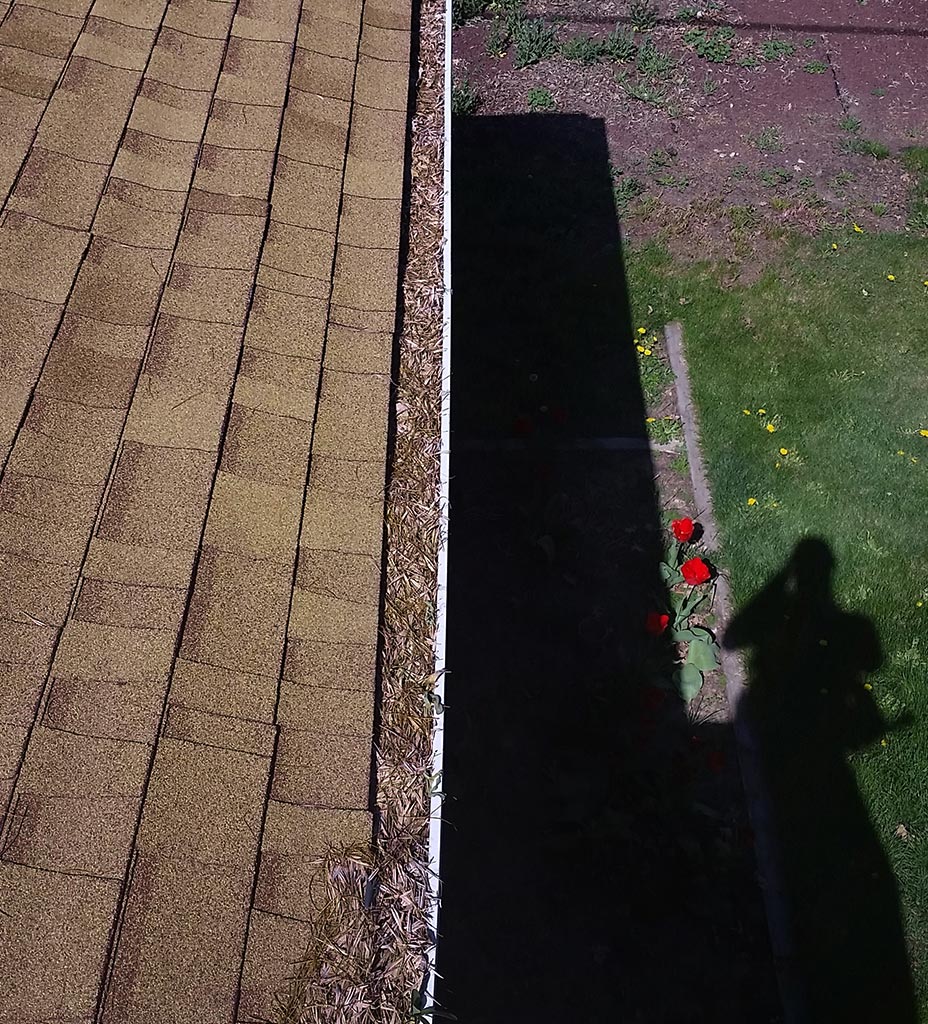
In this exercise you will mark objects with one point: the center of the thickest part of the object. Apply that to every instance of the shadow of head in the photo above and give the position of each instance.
(812, 567)
(800, 638)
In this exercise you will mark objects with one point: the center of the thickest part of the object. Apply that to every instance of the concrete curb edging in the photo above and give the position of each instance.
(758, 803)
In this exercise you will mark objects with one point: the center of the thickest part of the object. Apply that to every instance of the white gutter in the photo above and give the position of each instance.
(441, 594)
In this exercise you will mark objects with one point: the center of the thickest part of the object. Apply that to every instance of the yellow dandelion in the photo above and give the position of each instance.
(890, 277)
(924, 433)
(919, 604)
(771, 427)
(834, 245)
(777, 466)
(914, 458)
(642, 330)
(925, 283)
(752, 501)
(640, 348)
(651, 419)
(858, 229)
(883, 743)
(900, 452)
(747, 412)
(784, 451)
(868, 686)
(761, 412)
(647, 351)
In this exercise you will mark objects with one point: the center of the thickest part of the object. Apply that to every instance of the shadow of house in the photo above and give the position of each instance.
(808, 707)
(583, 876)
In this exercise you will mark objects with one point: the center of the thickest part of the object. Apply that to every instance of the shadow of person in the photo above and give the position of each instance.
(808, 707)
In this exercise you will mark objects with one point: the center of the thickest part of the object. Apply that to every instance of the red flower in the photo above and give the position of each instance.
(683, 529)
(652, 698)
(559, 415)
(695, 571)
(656, 622)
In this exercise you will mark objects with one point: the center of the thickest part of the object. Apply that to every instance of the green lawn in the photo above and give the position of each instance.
(836, 354)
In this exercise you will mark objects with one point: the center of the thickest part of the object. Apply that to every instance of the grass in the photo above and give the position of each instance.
(464, 98)
(776, 49)
(463, 10)
(672, 180)
(680, 464)
(665, 429)
(654, 95)
(653, 63)
(839, 371)
(540, 99)
(624, 191)
(660, 158)
(714, 47)
(743, 219)
(642, 14)
(915, 161)
(840, 181)
(710, 86)
(533, 41)
(646, 207)
(583, 49)
(656, 378)
(773, 177)
(619, 45)
(815, 67)
(768, 140)
(865, 147)
(498, 38)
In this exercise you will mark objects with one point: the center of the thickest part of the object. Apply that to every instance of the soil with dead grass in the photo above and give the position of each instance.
(799, 127)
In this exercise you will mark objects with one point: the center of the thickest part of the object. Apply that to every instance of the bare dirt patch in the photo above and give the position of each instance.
(741, 122)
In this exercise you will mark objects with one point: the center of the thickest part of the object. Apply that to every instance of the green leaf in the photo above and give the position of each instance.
(693, 601)
(676, 603)
(689, 681)
(669, 574)
(675, 554)
(688, 633)
(702, 655)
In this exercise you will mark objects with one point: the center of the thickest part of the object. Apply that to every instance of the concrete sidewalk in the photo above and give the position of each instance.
(198, 272)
